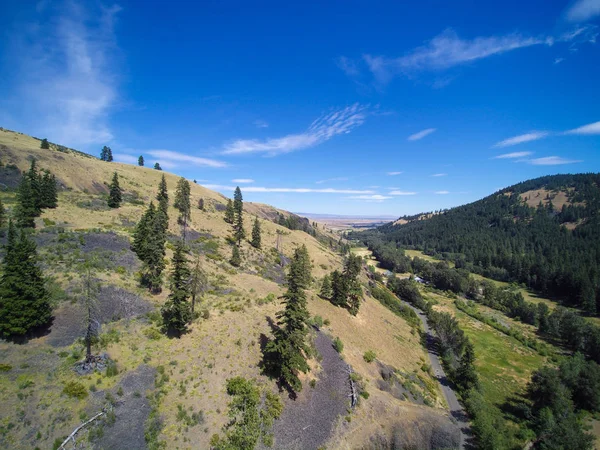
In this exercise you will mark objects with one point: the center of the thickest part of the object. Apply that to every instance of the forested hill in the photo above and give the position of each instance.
(543, 232)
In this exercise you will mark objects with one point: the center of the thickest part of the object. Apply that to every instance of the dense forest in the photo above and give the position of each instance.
(551, 245)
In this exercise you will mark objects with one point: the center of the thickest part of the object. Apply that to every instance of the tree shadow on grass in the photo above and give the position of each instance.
(516, 409)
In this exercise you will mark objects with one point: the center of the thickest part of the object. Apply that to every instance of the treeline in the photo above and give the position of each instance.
(501, 237)
(37, 191)
(343, 288)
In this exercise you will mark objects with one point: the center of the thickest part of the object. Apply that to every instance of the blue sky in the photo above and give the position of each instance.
(351, 107)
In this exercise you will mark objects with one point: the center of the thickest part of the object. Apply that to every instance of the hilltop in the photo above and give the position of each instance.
(174, 390)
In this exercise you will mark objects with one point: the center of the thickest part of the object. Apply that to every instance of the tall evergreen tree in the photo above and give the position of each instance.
(142, 230)
(35, 182)
(90, 289)
(346, 289)
(198, 282)
(176, 311)
(115, 195)
(256, 238)
(49, 195)
(141, 161)
(24, 300)
(157, 166)
(182, 201)
(109, 155)
(286, 353)
(106, 154)
(326, 290)
(26, 210)
(229, 212)
(163, 204)
(466, 375)
(238, 223)
(45, 144)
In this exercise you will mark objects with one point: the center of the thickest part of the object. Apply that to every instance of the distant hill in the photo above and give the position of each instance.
(543, 232)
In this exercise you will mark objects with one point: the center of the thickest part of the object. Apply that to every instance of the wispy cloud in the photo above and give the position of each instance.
(173, 158)
(221, 187)
(242, 180)
(348, 66)
(558, 60)
(393, 174)
(371, 198)
(261, 124)
(397, 192)
(336, 122)
(421, 134)
(127, 159)
(552, 161)
(527, 137)
(592, 128)
(583, 10)
(445, 51)
(328, 180)
(442, 192)
(66, 74)
(439, 175)
(513, 155)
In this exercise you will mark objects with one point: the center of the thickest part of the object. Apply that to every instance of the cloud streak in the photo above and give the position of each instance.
(371, 198)
(552, 161)
(334, 123)
(174, 158)
(401, 193)
(590, 129)
(393, 174)
(421, 134)
(513, 155)
(221, 187)
(332, 179)
(527, 137)
(439, 175)
(242, 180)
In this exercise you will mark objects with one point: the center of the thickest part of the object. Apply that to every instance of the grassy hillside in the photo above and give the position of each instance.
(173, 390)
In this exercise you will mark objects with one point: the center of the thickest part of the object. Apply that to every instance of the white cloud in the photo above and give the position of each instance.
(421, 134)
(393, 174)
(445, 51)
(332, 179)
(373, 198)
(348, 66)
(513, 155)
(527, 137)
(171, 158)
(67, 74)
(341, 121)
(558, 60)
(592, 128)
(442, 192)
(401, 193)
(291, 190)
(552, 161)
(261, 124)
(127, 159)
(439, 174)
(583, 10)
(242, 180)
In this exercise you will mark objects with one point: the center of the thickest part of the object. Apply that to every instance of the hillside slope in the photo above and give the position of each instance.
(543, 232)
(173, 390)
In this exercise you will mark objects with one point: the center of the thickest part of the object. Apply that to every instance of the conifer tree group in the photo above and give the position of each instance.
(182, 201)
(345, 286)
(24, 299)
(45, 144)
(115, 195)
(35, 193)
(106, 154)
(157, 166)
(229, 212)
(149, 239)
(285, 355)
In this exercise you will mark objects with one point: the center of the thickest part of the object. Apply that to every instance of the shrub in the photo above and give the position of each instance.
(369, 356)
(152, 333)
(5, 367)
(75, 389)
(338, 345)
(364, 394)
(326, 322)
(111, 369)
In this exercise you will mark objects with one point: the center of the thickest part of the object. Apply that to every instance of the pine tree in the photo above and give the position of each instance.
(238, 225)
(163, 193)
(45, 144)
(25, 211)
(176, 311)
(157, 166)
(115, 196)
(286, 354)
(182, 201)
(256, 238)
(163, 204)
(24, 300)
(35, 183)
(236, 259)
(49, 196)
(109, 156)
(229, 212)
(466, 376)
(142, 230)
(141, 161)
(198, 282)
(105, 154)
(326, 290)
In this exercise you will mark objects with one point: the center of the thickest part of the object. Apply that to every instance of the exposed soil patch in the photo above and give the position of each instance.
(307, 422)
(113, 303)
(131, 410)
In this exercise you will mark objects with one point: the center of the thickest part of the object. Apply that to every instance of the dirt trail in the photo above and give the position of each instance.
(307, 422)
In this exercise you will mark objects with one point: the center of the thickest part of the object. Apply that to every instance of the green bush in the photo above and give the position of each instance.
(111, 369)
(5, 367)
(75, 389)
(152, 333)
(369, 356)
(338, 345)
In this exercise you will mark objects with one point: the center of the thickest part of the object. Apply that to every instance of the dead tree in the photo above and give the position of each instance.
(198, 283)
(90, 291)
